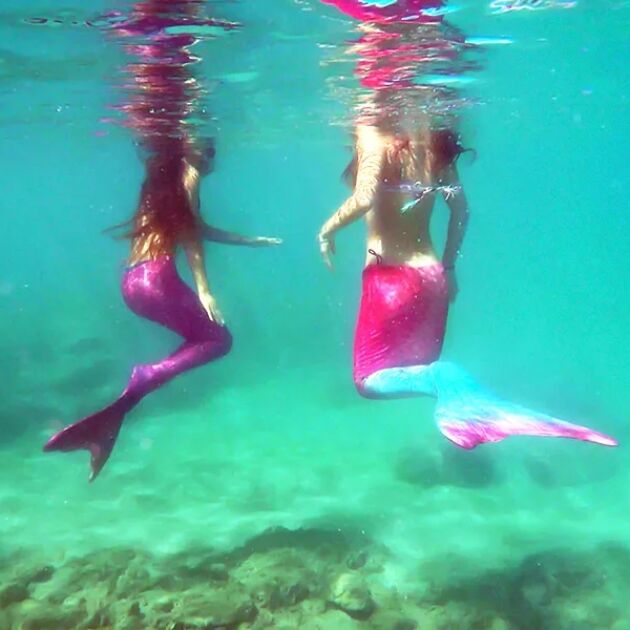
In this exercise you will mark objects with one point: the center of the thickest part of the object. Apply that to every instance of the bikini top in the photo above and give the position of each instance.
(417, 191)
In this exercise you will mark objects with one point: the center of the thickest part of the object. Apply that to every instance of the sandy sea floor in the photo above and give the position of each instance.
(289, 502)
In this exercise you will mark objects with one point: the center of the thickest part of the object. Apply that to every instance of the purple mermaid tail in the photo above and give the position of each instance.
(153, 290)
(96, 433)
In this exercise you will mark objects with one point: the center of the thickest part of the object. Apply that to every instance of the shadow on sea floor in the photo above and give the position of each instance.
(42, 391)
(311, 579)
(556, 589)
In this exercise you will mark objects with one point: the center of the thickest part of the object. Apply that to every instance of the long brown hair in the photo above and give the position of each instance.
(165, 206)
(442, 147)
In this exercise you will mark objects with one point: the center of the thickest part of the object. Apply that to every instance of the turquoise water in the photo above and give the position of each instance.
(261, 491)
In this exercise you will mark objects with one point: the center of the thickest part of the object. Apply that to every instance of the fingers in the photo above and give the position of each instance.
(214, 314)
(264, 241)
(211, 315)
(216, 317)
(326, 257)
(326, 248)
(328, 261)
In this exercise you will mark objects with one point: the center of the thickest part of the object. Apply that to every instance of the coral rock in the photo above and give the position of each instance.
(350, 594)
(333, 619)
(357, 559)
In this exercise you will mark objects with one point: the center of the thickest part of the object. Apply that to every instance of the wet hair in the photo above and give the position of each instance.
(165, 206)
(444, 148)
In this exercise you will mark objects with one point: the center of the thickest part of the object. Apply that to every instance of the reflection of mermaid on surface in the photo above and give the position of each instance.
(396, 172)
(392, 11)
(167, 217)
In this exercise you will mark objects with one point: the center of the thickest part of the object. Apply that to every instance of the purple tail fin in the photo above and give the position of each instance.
(96, 433)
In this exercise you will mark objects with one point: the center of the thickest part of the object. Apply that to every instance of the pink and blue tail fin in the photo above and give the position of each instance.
(96, 433)
(472, 421)
(465, 413)
(468, 415)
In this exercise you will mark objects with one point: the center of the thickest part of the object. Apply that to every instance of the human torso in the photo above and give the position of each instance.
(400, 238)
(398, 225)
(153, 244)
(150, 246)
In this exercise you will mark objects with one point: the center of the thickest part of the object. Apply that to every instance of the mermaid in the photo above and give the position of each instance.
(406, 288)
(161, 97)
(167, 217)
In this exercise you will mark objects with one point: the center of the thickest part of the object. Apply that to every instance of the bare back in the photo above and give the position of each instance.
(400, 237)
(395, 178)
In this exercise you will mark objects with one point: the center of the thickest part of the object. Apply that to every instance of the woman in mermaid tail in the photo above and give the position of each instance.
(167, 217)
(405, 155)
(407, 288)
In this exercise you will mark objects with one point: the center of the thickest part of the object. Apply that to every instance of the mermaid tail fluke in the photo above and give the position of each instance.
(154, 290)
(96, 433)
(468, 415)
(465, 412)
(475, 422)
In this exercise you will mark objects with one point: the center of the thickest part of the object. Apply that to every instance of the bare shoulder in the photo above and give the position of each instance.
(369, 138)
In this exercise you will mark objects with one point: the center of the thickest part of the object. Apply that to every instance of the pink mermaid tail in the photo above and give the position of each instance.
(399, 335)
(153, 290)
(402, 319)
(486, 428)
(471, 418)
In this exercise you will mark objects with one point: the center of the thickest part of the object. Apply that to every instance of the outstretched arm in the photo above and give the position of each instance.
(216, 235)
(458, 221)
(194, 253)
(369, 167)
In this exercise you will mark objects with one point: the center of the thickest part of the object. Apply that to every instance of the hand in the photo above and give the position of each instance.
(265, 241)
(326, 248)
(210, 306)
(451, 284)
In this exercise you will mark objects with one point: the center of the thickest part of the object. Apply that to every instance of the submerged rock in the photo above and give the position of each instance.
(357, 559)
(218, 572)
(332, 620)
(42, 616)
(287, 596)
(280, 578)
(350, 594)
(394, 619)
(12, 594)
(43, 574)
(211, 608)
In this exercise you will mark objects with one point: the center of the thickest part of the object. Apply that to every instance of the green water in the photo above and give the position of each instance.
(527, 533)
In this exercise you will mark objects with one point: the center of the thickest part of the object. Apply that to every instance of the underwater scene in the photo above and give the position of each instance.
(314, 314)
